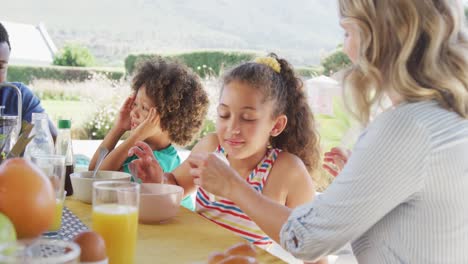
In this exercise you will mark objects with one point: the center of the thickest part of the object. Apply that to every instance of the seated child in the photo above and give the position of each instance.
(168, 106)
(265, 130)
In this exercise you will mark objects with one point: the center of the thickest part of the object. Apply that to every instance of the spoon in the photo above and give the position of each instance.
(102, 154)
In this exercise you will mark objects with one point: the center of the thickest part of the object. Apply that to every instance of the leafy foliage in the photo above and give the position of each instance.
(335, 62)
(101, 121)
(309, 72)
(74, 55)
(27, 74)
(204, 63)
(208, 127)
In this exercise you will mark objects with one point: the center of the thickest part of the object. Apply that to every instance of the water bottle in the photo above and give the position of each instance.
(63, 146)
(42, 143)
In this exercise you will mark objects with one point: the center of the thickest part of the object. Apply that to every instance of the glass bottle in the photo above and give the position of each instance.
(63, 146)
(42, 143)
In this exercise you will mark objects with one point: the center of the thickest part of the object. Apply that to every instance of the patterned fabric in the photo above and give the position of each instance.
(226, 214)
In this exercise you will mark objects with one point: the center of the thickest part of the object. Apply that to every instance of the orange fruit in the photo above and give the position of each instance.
(26, 197)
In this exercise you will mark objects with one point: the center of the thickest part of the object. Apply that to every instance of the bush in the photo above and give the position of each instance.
(74, 55)
(309, 72)
(335, 62)
(209, 126)
(27, 74)
(101, 121)
(204, 63)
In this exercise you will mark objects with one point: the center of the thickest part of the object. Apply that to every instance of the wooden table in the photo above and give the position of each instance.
(187, 238)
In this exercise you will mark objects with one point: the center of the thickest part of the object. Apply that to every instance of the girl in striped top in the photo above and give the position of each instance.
(402, 195)
(262, 110)
(225, 213)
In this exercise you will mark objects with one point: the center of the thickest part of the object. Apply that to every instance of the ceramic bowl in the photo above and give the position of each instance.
(159, 202)
(82, 182)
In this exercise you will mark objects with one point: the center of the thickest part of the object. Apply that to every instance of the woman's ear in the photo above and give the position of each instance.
(279, 126)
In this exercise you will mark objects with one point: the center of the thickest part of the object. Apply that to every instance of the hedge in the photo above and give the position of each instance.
(212, 63)
(26, 74)
(204, 63)
(309, 72)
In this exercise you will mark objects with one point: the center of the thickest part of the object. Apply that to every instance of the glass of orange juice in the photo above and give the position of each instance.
(115, 218)
(54, 167)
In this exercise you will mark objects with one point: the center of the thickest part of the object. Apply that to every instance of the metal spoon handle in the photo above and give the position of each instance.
(102, 154)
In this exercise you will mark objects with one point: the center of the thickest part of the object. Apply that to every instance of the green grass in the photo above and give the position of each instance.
(78, 111)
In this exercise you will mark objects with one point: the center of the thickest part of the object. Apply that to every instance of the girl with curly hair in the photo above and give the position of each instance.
(168, 106)
(265, 132)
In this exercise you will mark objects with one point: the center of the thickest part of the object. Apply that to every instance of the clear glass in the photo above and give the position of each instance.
(40, 251)
(54, 167)
(115, 218)
(8, 133)
(42, 143)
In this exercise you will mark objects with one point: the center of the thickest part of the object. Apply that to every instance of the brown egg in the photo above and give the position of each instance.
(93, 247)
(238, 260)
(216, 257)
(241, 249)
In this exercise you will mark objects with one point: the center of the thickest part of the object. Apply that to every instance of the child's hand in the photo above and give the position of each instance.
(212, 173)
(123, 121)
(146, 167)
(150, 126)
(336, 159)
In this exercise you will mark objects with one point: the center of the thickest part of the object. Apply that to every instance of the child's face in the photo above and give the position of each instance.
(351, 42)
(244, 121)
(141, 107)
(4, 57)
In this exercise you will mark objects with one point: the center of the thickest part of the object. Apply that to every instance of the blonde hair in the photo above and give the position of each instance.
(417, 49)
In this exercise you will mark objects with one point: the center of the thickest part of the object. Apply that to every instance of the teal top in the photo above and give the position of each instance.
(168, 160)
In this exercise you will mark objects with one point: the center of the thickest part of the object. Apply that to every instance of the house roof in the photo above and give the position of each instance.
(30, 44)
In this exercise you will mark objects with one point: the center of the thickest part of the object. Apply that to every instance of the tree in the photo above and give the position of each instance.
(466, 13)
(335, 62)
(74, 55)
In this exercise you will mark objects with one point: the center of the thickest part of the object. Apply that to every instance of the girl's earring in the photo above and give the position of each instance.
(269, 146)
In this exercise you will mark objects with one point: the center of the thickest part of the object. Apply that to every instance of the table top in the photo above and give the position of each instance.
(186, 238)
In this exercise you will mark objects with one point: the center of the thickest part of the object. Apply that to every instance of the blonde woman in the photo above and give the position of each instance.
(402, 196)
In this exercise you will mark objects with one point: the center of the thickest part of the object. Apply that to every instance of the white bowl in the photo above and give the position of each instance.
(159, 202)
(83, 183)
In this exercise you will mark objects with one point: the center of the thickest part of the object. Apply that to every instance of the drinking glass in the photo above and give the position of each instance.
(54, 167)
(115, 218)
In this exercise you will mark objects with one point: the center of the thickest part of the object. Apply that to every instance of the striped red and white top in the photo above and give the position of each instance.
(226, 214)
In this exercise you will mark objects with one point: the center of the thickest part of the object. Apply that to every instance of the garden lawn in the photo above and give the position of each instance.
(78, 111)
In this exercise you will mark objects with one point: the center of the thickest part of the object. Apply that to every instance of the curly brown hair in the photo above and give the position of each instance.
(286, 90)
(178, 95)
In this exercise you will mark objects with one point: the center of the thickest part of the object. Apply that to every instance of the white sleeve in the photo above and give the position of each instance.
(385, 169)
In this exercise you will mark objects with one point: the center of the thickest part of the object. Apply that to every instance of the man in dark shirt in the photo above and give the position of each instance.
(8, 97)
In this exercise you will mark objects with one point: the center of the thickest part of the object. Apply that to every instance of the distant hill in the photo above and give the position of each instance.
(301, 30)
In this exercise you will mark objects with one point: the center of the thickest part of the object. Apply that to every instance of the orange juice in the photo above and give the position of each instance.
(117, 224)
(58, 215)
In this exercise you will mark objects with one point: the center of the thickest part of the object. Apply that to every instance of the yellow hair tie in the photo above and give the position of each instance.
(270, 62)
